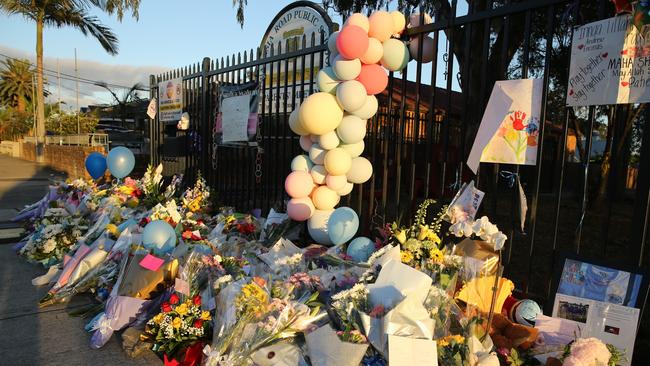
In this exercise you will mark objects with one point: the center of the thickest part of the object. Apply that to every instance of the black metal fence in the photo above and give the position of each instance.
(590, 200)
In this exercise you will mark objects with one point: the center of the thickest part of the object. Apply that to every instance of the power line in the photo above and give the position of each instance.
(74, 78)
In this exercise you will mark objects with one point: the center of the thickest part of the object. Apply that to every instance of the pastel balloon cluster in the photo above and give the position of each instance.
(428, 43)
(332, 122)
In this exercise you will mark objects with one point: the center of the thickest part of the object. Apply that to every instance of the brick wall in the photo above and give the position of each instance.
(68, 159)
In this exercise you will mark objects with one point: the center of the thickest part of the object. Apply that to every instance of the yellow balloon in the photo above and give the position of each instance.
(329, 140)
(336, 182)
(324, 198)
(381, 25)
(373, 53)
(359, 20)
(360, 171)
(338, 161)
(320, 113)
(294, 123)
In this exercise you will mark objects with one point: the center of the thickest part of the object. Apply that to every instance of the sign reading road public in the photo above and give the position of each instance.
(610, 64)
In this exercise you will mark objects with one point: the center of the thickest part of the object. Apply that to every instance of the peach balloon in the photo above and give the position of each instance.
(318, 174)
(299, 184)
(320, 113)
(359, 20)
(381, 25)
(360, 171)
(374, 78)
(300, 209)
(337, 161)
(352, 42)
(336, 182)
(399, 22)
(373, 53)
(324, 198)
(294, 123)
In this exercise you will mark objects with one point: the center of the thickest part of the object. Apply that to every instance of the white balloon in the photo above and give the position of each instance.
(318, 174)
(346, 69)
(336, 182)
(301, 163)
(331, 42)
(351, 95)
(369, 108)
(327, 80)
(305, 142)
(329, 140)
(332, 58)
(354, 149)
(317, 226)
(347, 189)
(352, 129)
(317, 154)
(360, 171)
(294, 123)
(427, 50)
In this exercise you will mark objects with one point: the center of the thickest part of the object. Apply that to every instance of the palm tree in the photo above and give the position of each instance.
(16, 83)
(65, 13)
(122, 103)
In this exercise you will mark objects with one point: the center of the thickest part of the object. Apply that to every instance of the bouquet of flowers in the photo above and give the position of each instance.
(56, 234)
(197, 198)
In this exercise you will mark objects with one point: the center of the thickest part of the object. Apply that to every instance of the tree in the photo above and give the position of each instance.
(65, 13)
(122, 103)
(16, 83)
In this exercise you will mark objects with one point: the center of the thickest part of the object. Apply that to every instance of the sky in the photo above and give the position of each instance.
(168, 34)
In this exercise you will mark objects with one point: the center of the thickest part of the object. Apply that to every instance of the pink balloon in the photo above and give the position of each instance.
(299, 184)
(352, 42)
(300, 209)
(374, 78)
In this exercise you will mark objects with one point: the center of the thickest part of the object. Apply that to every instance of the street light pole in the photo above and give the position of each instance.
(77, 82)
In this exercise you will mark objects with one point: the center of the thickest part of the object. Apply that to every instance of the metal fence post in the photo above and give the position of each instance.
(153, 139)
(205, 117)
(642, 201)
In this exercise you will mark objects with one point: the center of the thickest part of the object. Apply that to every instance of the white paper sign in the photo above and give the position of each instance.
(610, 64)
(170, 94)
(152, 108)
(509, 129)
(234, 114)
(403, 351)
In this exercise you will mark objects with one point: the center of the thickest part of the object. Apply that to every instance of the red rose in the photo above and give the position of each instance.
(174, 299)
(166, 308)
(197, 300)
(198, 323)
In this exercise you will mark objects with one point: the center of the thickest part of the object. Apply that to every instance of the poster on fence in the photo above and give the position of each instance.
(170, 95)
(610, 64)
(234, 116)
(509, 128)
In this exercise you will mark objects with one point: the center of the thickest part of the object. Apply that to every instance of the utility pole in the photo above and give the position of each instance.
(76, 76)
(34, 110)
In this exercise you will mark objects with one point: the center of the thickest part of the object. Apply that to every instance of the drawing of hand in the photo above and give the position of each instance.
(518, 120)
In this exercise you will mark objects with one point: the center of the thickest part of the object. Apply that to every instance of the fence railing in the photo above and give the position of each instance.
(84, 139)
(576, 201)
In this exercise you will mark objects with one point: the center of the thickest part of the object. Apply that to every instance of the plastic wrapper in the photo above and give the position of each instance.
(139, 282)
(326, 349)
(279, 354)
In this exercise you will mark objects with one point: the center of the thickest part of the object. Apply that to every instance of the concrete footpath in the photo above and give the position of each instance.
(29, 335)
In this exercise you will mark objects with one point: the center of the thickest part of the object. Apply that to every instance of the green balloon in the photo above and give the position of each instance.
(396, 55)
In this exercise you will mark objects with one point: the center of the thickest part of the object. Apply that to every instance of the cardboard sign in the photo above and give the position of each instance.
(610, 64)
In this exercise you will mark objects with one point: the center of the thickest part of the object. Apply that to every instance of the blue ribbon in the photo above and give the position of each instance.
(510, 177)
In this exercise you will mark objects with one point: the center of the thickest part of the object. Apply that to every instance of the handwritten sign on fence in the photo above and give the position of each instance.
(610, 64)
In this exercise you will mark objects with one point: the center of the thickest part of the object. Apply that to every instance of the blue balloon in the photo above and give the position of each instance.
(96, 165)
(120, 161)
(360, 249)
(159, 236)
(342, 225)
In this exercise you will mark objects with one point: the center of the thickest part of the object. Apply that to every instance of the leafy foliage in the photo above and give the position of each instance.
(16, 83)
